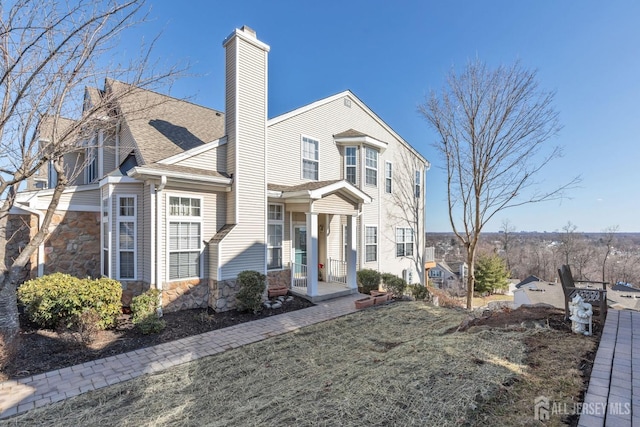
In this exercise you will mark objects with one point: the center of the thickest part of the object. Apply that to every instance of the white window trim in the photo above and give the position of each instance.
(168, 220)
(367, 167)
(106, 240)
(302, 158)
(388, 178)
(413, 235)
(417, 184)
(276, 222)
(367, 244)
(133, 219)
(355, 166)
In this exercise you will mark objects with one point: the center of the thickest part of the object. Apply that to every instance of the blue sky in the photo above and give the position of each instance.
(392, 53)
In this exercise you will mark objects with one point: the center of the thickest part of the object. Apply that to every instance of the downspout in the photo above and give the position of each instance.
(163, 183)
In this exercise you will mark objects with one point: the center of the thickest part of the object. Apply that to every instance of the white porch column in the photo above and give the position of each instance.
(312, 254)
(352, 282)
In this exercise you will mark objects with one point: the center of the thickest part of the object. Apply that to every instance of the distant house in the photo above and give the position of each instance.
(182, 198)
(449, 276)
(538, 292)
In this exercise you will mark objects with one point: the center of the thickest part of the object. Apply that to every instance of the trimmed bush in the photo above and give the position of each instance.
(144, 312)
(394, 284)
(418, 292)
(61, 299)
(252, 285)
(368, 280)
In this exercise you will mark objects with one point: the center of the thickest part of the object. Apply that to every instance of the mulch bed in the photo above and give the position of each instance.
(47, 350)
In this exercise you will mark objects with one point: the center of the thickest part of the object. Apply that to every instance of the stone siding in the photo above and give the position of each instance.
(73, 245)
(278, 279)
(185, 295)
(132, 289)
(222, 295)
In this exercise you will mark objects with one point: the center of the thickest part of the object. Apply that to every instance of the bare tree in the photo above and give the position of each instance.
(492, 127)
(506, 237)
(608, 240)
(568, 242)
(408, 204)
(49, 52)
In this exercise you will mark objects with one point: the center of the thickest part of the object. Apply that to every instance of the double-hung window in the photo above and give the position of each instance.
(371, 244)
(310, 158)
(185, 237)
(126, 237)
(371, 166)
(275, 230)
(351, 161)
(388, 176)
(404, 242)
(417, 185)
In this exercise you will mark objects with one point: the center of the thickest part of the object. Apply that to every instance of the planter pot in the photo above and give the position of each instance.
(276, 292)
(364, 303)
(377, 293)
(381, 298)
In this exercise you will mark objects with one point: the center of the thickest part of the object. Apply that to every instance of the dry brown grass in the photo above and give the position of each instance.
(391, 365)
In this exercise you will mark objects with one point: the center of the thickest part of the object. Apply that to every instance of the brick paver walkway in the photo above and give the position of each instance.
(39, 390)
(613, 396)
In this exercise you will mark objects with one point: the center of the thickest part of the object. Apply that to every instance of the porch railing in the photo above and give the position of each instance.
(299, 275)
(337, 271)
(429, 254)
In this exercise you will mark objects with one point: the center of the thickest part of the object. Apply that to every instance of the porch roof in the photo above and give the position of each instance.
(317, 190)
(181, 174)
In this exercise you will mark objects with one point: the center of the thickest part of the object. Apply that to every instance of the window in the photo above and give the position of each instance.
(185, 237)
(92, 166)
(435, 273)
(275, 230)
(417, 184)
(371, 166)
(126, 237)
(105, 237)
(371, 243)
(350, 161)
(388, 176)
(309, 158)
(404, 242)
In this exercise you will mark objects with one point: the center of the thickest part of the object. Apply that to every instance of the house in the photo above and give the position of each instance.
(183, 198)
(451, 277)
(538, 292)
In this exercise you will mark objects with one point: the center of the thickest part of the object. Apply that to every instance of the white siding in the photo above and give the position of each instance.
(244, 247)
(213, 159)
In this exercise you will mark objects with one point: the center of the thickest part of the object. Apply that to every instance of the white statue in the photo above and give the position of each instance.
(581, 315)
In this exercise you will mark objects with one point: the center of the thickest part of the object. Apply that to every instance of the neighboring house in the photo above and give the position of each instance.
(183, 198)
(451, 277)
(538, 292)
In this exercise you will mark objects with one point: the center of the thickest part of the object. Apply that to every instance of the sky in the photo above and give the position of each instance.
(392, 54)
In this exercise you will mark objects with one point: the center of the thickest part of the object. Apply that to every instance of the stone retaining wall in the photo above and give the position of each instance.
(222, 295)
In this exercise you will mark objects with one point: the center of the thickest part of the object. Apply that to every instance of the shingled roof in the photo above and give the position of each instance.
(163, 126)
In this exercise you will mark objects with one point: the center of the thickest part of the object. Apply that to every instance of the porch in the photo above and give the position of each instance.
(332, 281)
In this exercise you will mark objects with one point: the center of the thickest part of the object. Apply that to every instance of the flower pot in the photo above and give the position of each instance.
(364, 303)
(377, 293)
(380, 299)
(276, 292)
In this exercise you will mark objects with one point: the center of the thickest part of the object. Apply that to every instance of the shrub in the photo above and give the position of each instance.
(86, 325)
(144, 305)
(144, 312)
(368, 280)
(252, 285)
(60, 299)
(394, 284)
(419, 292)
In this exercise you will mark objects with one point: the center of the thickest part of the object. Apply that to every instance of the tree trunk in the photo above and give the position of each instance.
(9, 323)
(471, 278)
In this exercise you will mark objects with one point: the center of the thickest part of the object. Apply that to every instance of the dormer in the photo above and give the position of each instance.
(351, 142)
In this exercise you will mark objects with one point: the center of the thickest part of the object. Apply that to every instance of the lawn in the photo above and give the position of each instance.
(400, 364)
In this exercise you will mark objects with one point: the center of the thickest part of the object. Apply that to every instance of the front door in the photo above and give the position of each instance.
(300, 244)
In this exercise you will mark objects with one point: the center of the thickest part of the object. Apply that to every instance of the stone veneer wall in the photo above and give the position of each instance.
(278, 279)
(132, 289)
(222, 295)
(73, 246)
(186, 294)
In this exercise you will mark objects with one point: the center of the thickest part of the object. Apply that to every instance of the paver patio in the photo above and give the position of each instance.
(613, 396)
(21, 395)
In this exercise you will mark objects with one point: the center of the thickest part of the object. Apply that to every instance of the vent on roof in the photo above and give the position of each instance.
(248, 31)
(347, 102)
